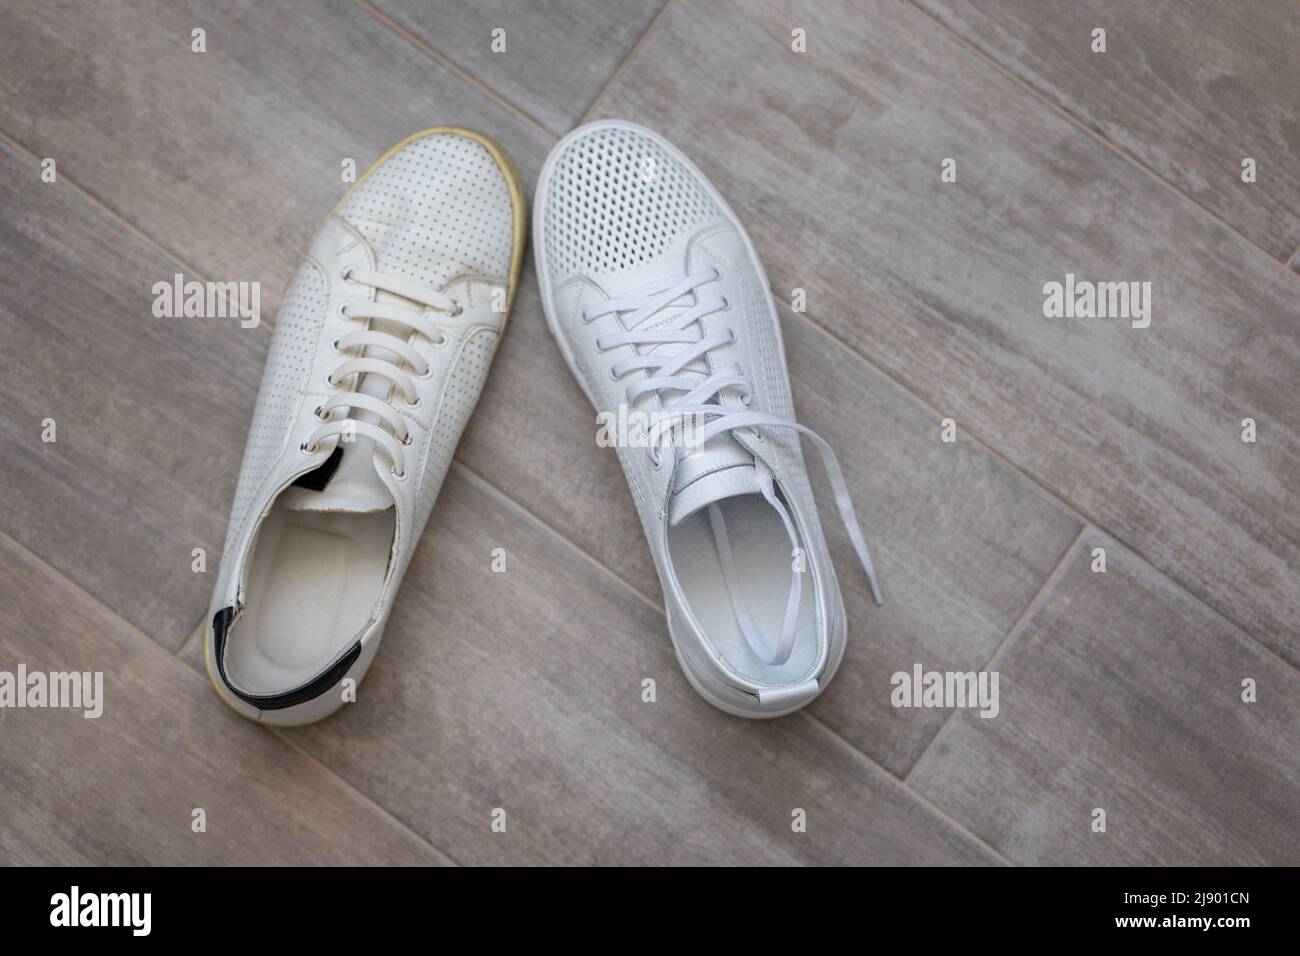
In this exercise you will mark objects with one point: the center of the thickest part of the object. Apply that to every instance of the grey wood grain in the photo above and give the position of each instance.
(233, 156)
(522, 690)
(956, 581)
(936, 515)
(150, 413)
(834, 159)
(120, 789)
(1125, 694)
(557, 57)
(1190, 89)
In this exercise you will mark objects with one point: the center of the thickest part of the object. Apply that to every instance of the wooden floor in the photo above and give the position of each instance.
(1120, 691)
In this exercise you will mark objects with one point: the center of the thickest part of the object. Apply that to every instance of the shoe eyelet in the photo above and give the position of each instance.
(317, 413)
(335, 346)
(414, 404)
(440, 341)
(726, 304)
(400, 476)
(612, 376)
(306, 450)
(329, 380)
(459, 310)
(341, 312)
(716, 274)
(408, 439)
(346, 273)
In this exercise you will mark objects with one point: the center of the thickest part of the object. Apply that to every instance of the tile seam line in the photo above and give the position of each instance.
(1053, 496)
(619, 70)
(1077, 122)
(279, 734)
(924, 801)
(347, 785)
(551, 532)
(393, 26)
(104, 209)
(194, 633)
(1045, 590)
(858, 356)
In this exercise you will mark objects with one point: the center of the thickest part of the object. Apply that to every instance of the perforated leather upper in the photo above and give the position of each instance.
(616, 200)
(436, 210)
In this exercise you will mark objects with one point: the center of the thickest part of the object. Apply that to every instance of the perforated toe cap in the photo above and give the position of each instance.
(437, 209)
(616, 199)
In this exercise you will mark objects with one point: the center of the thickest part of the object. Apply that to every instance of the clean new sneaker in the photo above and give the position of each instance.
(658, 302)
(382, 344)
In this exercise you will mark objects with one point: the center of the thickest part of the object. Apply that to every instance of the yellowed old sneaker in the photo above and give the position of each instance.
(381, 347)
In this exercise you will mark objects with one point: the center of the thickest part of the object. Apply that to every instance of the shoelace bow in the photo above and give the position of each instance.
(410, 314)
(700, 398)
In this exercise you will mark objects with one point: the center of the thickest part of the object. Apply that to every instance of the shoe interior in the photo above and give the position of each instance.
(761, 549)
(313, 583)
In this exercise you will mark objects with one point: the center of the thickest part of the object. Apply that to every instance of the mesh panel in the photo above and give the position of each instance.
(437, 209)
(617, 200)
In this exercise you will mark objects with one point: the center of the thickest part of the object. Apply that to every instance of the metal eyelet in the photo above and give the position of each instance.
(308, 451)
(346, 273)
(400, 476)
(440, 341)
(414, 404)
(335, 346)
(341, 313)
(408, 439)
(329, 380)
(318, 414)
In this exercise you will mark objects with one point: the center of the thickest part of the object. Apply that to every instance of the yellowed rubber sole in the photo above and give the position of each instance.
(519, 211)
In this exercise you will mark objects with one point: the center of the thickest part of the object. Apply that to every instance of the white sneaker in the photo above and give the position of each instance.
(382, 344)
(658, 302)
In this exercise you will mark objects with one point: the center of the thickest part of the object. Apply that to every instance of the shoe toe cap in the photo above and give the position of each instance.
(437, 208)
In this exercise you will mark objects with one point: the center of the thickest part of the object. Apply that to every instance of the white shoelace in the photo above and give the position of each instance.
(670, 374)
(410, 314)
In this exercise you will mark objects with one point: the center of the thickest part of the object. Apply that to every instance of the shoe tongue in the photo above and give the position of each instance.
(355, 487)
(721, 469)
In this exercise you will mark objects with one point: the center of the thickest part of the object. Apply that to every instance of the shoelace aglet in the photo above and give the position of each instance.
(870, 567)
(875, 589)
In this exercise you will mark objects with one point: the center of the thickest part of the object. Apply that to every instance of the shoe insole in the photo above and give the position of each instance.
(761, 550)
(312, 587)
